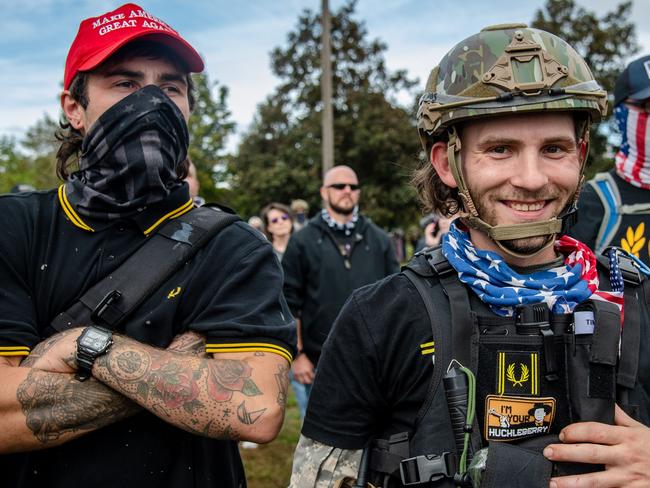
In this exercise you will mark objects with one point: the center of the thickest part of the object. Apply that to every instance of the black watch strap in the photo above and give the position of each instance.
(84, 366)
(89, 348)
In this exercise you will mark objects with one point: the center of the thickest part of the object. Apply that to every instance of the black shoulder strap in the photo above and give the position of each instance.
(112, 299)
(631, 338)
(424, 288)
(461, 310)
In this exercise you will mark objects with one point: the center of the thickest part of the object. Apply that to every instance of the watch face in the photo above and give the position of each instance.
(93, 339)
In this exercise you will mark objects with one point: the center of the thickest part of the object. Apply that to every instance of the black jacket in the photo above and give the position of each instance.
(317, 282)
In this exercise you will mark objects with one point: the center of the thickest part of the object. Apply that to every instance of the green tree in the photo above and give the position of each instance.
(34, 164)
(279, 158)
(209, 128)
(606, 43)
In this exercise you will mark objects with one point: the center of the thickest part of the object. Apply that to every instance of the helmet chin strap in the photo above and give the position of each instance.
(498, 233)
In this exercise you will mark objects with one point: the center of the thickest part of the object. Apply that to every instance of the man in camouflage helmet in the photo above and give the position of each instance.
(505, 124)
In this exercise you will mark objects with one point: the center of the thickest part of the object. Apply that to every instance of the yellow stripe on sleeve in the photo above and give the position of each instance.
(14, 351)
(249, 347)
(428, 351)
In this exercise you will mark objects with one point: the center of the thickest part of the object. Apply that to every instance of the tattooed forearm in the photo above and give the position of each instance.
(202, 395)
(246, 417)
(282, 382)
(56, 404)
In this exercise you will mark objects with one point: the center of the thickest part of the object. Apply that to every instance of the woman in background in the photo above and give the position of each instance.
(278, 225)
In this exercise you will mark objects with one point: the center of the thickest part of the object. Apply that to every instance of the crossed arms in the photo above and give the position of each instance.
(230, 395)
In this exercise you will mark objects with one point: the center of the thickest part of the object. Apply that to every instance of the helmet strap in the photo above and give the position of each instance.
(498, 233)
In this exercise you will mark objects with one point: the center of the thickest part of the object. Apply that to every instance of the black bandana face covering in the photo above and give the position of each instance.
(129, 157)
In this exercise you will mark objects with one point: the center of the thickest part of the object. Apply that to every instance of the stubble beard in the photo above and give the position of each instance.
(525, 245)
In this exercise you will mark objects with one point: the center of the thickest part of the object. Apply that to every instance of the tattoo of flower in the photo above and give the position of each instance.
(176, 387)
(225, 376)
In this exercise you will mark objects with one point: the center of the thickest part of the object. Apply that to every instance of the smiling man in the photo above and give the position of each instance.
(339, 251)
(492, 360)
(161, 399)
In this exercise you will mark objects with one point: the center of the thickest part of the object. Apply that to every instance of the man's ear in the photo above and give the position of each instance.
(73, 110)
(440, 163)
(323, 193)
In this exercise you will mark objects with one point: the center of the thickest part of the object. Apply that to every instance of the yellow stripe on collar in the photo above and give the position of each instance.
(70, 212)
(186, 207)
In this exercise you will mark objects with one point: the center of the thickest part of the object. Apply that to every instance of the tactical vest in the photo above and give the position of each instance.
(622, 223)
(533, 379)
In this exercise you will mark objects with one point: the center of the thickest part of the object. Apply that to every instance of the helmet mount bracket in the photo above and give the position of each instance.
(525, 67)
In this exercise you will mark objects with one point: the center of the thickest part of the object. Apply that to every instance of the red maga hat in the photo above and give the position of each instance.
(101, 36)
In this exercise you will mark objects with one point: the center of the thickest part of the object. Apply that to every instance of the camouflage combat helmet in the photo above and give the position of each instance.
(504, 69)
(507, 69)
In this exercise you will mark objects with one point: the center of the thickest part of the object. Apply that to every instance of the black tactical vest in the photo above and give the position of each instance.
(535, 375)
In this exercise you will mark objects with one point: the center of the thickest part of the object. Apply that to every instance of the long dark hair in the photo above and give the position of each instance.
(67, 156)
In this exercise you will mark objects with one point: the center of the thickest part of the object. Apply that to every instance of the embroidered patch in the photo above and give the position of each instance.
(515, 418)
(427, 348)
(517, 373)
(174, 293)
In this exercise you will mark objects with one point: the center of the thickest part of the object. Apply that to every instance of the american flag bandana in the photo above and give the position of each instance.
(562, 288)
(632, 159)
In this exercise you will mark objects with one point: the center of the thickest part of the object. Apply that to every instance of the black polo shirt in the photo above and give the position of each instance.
(231, 292)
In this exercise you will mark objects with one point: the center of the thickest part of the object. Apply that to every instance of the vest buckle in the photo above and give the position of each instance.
(427, 468)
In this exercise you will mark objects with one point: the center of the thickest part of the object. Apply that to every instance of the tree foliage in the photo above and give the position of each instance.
(209, 127)
(606, 43)
(32, 160)
(279, 158)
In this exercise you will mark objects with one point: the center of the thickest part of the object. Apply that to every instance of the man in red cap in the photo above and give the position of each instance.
(202, 362)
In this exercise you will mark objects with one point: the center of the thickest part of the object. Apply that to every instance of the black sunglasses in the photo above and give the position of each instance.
(275, 220)
(341, 186)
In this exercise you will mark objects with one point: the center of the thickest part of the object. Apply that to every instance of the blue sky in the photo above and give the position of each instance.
(235, 39)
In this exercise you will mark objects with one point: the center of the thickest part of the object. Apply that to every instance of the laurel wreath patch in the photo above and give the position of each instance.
(510, 374)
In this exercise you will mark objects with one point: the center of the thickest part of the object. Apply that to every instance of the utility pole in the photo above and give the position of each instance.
(326, 90)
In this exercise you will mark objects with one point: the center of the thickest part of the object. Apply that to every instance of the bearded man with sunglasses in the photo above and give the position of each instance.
(339, 251)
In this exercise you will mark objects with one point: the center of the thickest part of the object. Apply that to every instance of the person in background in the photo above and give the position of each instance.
(300, 209)
(614, 207)
(434, 228)
(337, 252)
(256, 223)
(278, 225)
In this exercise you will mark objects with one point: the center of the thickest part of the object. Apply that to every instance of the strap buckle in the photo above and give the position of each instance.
(102, 307)
(427, 468)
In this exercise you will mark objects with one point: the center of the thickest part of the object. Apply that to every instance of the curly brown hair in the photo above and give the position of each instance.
(67, 156)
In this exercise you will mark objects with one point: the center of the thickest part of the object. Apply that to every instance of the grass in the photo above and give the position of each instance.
(269, 466)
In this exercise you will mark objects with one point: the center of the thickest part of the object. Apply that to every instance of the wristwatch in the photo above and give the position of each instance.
(92, 343)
